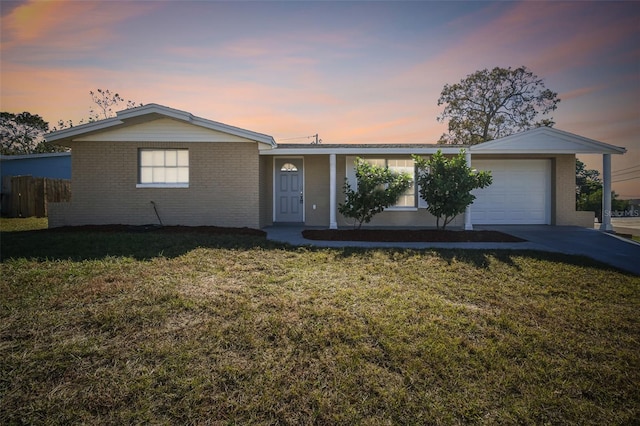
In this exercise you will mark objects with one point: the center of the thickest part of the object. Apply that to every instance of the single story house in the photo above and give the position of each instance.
(197, 172)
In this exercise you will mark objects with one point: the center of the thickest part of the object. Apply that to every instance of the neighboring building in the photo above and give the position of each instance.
(55, 165)
(200, 172)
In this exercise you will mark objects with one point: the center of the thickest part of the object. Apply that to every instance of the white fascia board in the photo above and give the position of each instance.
(236, 131)
(155, 109)
(81, 129)
(615, 150)
(362, 151)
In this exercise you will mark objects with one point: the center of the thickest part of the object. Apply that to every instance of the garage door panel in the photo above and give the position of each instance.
(519, 193)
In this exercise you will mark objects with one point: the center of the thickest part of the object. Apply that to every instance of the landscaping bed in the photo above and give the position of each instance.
(213, 230)
(409, 235)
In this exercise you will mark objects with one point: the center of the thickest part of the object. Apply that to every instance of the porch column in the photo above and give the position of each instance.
(333, 224)
(606, 193)
(468, 226)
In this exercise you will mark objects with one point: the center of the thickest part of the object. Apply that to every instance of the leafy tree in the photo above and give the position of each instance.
(587, 183)
(378, 188)
(446, 185)
(24, 134)
(589, 192)
(491, 104)
(593, 202)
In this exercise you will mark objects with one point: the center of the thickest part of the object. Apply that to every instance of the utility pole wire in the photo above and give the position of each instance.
(622, 180)
(316, 140)
(625, 173)
(627, 168)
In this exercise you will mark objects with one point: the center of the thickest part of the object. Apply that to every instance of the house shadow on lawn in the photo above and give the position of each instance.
(147, 243)
(482, 258)
(140, 242)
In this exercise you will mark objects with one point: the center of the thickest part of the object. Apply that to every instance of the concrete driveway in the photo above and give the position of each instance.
(618, 252)
(607, 248)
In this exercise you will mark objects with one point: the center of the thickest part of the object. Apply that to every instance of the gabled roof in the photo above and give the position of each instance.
(148, 113)
(545, 140)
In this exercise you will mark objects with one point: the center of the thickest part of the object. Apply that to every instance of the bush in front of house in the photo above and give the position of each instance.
(377, 188)
(446, 184)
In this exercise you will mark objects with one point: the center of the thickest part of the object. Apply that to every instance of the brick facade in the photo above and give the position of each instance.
(223, 186)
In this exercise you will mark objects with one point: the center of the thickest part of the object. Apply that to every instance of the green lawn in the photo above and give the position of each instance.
(167, 328)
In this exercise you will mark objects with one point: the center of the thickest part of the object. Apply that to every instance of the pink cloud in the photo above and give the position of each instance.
(580, 92)
(69, 25)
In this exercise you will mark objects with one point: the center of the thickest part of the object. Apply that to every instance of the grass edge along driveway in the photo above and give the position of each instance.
(191, 329)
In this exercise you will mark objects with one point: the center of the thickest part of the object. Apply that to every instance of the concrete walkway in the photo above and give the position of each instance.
(606, 248)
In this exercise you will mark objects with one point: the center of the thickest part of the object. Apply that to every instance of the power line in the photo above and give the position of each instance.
(627, 168)
(315, 140)
(623, 180)
(625, 173)
(299, 137)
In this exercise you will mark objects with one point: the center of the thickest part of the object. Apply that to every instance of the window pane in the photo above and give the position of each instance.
(171, 175)
(183, 175)
(183, 157)
(377, 162)
(170, 158)
(407, 199)
(288, 167)
(146, 175)
(158, 158)
(158, 175)
(146, 158)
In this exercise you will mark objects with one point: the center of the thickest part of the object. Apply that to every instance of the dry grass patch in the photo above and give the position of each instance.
(247, 332)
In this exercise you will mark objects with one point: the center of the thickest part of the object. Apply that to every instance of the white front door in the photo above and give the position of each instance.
(519, 195)
(289, 190)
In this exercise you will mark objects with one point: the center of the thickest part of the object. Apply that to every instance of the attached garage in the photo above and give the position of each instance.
(519, 195)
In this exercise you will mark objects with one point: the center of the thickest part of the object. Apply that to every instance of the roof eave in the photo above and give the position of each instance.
(64, 134)
(612, 150)
(362, 151)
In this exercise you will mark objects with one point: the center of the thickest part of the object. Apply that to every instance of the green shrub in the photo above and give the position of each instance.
(378, 188)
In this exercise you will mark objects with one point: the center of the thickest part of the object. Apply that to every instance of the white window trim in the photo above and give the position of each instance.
(162, 185)
(401, 209)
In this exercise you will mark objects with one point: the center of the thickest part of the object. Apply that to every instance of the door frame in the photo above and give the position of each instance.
(273, 183)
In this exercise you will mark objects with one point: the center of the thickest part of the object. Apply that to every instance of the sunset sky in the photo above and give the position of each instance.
(354, 72)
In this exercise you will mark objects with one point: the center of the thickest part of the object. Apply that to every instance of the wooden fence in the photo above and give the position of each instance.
(25, 196)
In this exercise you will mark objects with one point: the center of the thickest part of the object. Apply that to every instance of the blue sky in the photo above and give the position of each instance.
(350, 71)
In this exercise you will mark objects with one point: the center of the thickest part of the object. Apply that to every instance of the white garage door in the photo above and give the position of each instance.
(520, 193)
